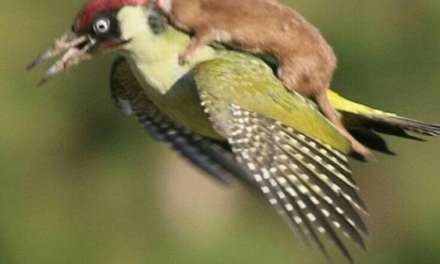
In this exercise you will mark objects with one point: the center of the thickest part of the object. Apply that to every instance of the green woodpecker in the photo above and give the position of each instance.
(229, 115)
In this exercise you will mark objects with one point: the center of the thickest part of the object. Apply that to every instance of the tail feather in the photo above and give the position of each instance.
(366, 124)
(411, 125)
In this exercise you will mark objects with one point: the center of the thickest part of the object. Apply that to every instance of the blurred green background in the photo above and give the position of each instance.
(81, 183)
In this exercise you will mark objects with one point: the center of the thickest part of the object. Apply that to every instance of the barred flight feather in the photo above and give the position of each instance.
(319, 179)
(274, 171)
(303, 179)
(256, 155)
(332, 177)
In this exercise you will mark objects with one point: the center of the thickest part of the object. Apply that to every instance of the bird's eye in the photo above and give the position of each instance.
(101, 26)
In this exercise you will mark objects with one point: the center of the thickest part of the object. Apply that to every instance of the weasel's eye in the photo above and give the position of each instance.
(102, 26)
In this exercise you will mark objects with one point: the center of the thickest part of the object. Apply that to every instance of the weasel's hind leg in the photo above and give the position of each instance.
(329, 111)
(295, 78)
(200, 39)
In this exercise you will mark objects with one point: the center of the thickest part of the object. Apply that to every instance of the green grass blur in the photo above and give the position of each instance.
(81, 183)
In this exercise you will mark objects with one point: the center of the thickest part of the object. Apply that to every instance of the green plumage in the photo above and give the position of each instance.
(248, 82)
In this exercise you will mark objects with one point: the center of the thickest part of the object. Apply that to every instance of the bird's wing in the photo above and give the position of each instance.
(206, 154)
(365, 123)
(261, 92)
(306, 179)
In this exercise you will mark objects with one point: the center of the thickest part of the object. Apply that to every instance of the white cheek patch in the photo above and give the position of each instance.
(165, 5)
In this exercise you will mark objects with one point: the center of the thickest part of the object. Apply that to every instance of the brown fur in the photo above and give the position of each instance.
(306, 60)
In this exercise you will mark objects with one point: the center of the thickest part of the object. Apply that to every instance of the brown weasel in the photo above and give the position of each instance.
(306, 60)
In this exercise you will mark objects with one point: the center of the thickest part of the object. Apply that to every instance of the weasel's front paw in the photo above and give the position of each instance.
(184, 58)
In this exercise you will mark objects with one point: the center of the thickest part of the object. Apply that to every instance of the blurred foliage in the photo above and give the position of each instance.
(81, 183)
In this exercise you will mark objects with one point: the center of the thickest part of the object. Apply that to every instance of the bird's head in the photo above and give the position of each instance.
(100, 26)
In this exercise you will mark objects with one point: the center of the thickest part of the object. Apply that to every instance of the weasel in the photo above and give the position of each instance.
(306, 61)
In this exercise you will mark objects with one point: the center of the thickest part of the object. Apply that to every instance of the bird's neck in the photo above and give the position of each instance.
(154, 53)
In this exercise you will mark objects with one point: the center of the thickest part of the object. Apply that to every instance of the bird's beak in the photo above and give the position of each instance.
(71, 49)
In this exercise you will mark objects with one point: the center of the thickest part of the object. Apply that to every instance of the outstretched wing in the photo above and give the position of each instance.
(365, 123)
(306, 179)
(206, 154)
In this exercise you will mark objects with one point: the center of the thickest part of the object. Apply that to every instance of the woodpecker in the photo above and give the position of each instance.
(306, 60)
(228, 114)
